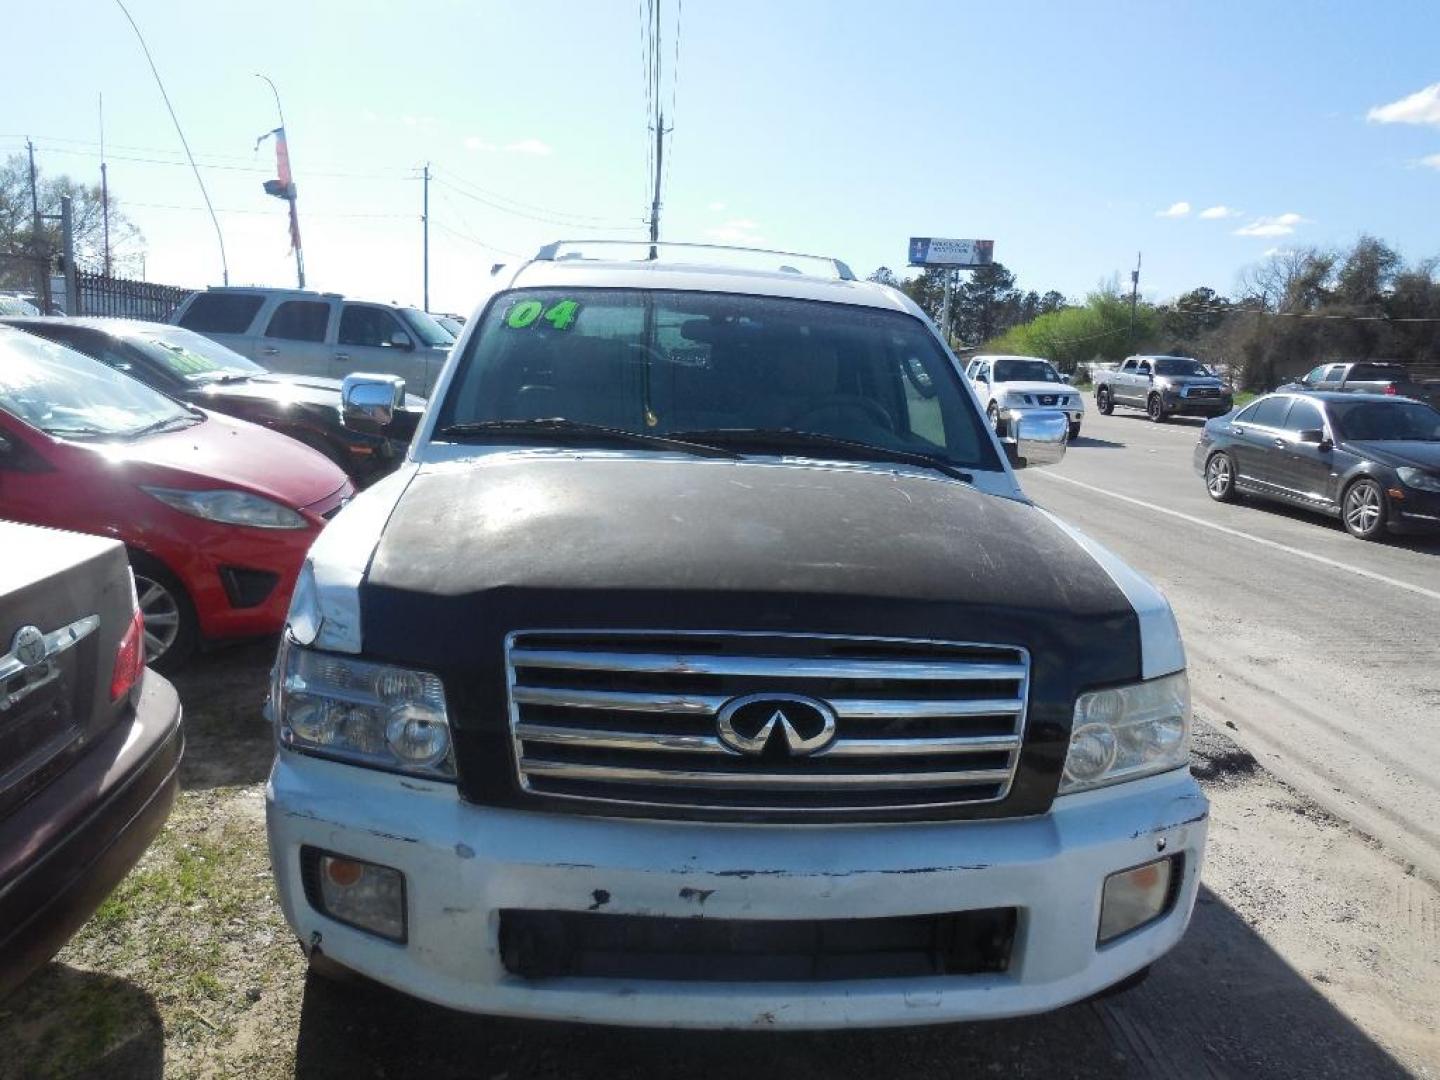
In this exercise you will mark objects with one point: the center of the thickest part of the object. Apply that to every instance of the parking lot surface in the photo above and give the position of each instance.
(1314, 950)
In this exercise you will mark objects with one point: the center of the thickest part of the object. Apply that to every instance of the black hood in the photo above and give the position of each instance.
(478, 549)
(1397, 453)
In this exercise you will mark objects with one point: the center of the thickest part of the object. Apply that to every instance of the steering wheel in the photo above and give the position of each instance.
(854, 403)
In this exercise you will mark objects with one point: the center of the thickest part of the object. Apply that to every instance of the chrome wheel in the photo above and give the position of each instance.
(1219, 478)
(161, 612)
(1364, 509)
(1155, 409)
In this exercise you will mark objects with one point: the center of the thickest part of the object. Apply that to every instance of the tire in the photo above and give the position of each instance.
(1363, 510)
(1104, 402)
(1220, 477)
(1155, 409)
(1130, 982)
(1074, 432)
(172, 631)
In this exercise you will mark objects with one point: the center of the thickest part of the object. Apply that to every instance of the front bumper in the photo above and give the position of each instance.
(69, 846)
(1417, 512)
(1178, 405)
(464, 864)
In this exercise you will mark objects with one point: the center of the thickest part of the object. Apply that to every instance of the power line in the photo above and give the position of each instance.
(255, 169)
(480, 193)
(549, 219)
(475, 240)
(224, 265)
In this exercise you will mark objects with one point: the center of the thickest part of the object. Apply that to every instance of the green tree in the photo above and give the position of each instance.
(885, 276)
(17, 233)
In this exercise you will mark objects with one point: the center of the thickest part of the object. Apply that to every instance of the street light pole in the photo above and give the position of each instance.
(290, 196)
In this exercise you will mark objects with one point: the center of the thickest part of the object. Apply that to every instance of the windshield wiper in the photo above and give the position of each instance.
(793, 439)
(164, 424)
(552, 426)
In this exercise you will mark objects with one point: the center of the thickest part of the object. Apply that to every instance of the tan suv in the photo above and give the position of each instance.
(309, 333)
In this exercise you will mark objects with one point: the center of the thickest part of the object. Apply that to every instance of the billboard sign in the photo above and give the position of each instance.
(933, 251)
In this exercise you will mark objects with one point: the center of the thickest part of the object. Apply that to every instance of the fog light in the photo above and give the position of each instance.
(364, 895)
(1135, 897)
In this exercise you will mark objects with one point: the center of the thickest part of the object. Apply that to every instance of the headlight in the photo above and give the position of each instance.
(229, 507)
(1128, 732)
(1420, 481)
(362, 713)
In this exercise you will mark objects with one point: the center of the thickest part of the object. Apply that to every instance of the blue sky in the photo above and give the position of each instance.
(1061, 131)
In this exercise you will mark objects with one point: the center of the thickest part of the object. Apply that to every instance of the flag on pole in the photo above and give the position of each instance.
(283, 186)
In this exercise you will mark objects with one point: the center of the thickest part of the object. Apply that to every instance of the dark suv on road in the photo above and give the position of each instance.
(1164, 386)
(90, 740)
(705, 666)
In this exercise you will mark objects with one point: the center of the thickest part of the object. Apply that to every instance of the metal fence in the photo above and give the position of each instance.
(97, 294)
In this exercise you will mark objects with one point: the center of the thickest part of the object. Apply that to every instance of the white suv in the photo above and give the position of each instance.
(1014, 384)
(299, 332)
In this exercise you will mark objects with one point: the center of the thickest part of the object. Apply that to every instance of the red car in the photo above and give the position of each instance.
(216, 513)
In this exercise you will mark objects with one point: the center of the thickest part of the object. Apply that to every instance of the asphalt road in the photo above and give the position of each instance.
(1318, 652)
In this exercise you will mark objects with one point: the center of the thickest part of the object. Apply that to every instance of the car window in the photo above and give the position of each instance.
(1143, 368)
(1179, 365)
(299, 320)
(1025, 371)
(1269, 412)
(1304, 416)
(982, 372)
(1372, 372)
(1335, 373)
(221, 313)
(426, 328)
(1314, 375)
(369, 325)
(1385, 421)
(686, 362)
(192, 357)
(70, 395)
(1128, 365)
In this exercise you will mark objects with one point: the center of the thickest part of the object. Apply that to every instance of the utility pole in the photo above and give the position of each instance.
(39, 247)
(1134, 296)
(67, 244)
(425, 233)
(659, 165)
(104, 187)
(284, 187)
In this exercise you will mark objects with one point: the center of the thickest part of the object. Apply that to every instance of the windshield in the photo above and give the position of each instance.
(64, 393)
(191, 356)
(671, 363)
(1179, 365)
(1025, 371)
(427, 329)
(1385, 421)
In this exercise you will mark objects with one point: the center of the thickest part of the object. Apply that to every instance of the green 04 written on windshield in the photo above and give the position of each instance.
(753, 374)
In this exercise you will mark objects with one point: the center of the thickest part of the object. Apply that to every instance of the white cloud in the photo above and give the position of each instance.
(1271, 252)
(528, 146)
(1421, 107)
(716, 207)
(474, 143)
(735, 231)
(1433, 161)
(1217, 213)
(1279, 225)
(1179, 209)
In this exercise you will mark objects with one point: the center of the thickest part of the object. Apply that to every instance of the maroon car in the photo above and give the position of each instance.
(90, 741)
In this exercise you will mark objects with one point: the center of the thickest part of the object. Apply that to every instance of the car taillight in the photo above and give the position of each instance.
(129, 658)
(1390, 388)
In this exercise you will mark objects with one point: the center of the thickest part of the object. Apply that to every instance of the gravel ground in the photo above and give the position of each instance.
(1312, 954)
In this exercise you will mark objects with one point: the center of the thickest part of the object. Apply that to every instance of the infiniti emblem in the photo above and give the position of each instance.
(28, 646)
(803, 725)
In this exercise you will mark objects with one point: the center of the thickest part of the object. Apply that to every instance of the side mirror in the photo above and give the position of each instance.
(368, 403)
(1066, 379)
(1315, 437)
(401, 340)
(1039, 438)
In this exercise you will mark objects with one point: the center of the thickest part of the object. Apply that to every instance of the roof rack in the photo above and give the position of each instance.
(562, 250)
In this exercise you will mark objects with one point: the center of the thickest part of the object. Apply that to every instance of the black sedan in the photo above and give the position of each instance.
(1372, 461)
(186, 365)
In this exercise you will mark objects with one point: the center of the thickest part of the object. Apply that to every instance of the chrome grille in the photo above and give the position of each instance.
(1202, 392)
(612, 717)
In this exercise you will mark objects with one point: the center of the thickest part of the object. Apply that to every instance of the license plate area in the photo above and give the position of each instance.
(549, 944)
